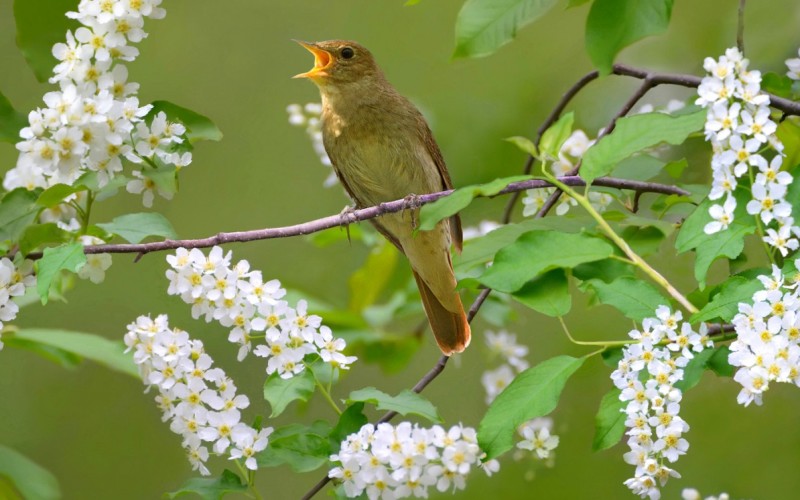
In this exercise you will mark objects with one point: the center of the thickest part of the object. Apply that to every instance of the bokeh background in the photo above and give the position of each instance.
(232, 61)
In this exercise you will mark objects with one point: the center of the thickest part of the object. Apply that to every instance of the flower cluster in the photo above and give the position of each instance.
(767, 337)
(404, 461)
(739, 127)
(237, 297)
(200, 401)
(693, 494)
(308, 116)
(571, 152)
(14, 281)
(95, 120)
(503, 345)
(537, 438)
(646, 375)
(96, 264)
(794, 67)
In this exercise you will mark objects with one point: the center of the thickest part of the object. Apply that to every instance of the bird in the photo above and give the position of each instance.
(382, 149)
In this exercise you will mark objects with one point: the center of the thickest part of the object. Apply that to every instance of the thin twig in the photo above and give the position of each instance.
(549, 121)
(357, 215)
(740, 28)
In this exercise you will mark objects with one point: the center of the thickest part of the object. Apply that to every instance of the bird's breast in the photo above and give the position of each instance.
(378, 156)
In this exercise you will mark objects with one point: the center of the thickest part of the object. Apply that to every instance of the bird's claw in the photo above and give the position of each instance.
(347, 217)
(412, 202)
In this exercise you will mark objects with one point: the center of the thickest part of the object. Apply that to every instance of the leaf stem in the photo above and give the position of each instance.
(325, 392)
(623, 245)
(604, 343)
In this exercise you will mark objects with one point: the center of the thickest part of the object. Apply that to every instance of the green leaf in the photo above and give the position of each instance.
(367, 283)
(41, 234)
(350, 421)
(780, 85)
(136, 227)
(607, 270)
(432, 213)
(211, 488)
(483, 26)
(40, 25)
(638, 168)
(555, 136)
(692, 233)
(728, 243)
(547, 294)
(280, 392)
(537, 251)
(693, 371)
(405, 403)
(533, 393)
(789, 134)
(576, 3)
(86, 345)
(482, 249)
(718, 363)
(676, 168)
(725, 303)
(612, 25)
(636, 133)
(612, 356)
(634, 298)
(69, 257)
(18, 210)
(28, 478)
(303, 448)
(198, 127)
(55, 195)
(165, 177)
(524, 144)
(11, 121)
(644, 240)
(609, 423)
(62, 358)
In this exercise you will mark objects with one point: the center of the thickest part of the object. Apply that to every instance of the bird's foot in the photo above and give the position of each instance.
(412, 203)
(348, 216)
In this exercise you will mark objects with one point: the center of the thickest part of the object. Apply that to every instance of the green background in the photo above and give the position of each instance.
(232, 61)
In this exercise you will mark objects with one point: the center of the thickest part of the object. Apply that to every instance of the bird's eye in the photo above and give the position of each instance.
(348, 53)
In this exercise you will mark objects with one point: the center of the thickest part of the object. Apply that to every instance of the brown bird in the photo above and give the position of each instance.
(382, 150)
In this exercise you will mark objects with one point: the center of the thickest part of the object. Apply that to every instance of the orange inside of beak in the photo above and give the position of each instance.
(322, 61)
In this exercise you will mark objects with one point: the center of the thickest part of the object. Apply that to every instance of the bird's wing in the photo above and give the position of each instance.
(438, 159)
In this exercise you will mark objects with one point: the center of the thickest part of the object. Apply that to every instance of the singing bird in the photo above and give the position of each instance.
(382, 150)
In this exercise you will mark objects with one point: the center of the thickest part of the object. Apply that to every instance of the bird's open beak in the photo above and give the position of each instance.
(322, 61)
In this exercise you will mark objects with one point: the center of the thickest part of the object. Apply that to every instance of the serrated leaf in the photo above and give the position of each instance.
(718, 363)
(367, 283)
(62, 358)
(483, 26)
(644, 240)
(693, 371)
(211, 488)
(86, 345)
(725, 304)
(636, 133)
(136, 227)
(638, 168)
(547, 294)
(537, 251)
(445, 207)
(692, 233)
(479, 250)
(533, 393)
(609, 423)
(18, 210)
(280, 392)
(198, 127)
(11, 121)
(40, 25)
(555, 136)
(55, 195)
(303, 448)
(28, 478)
(68, 257)
(405, 403)
(41, 234)
(524, 144)
(612, 25)
(607, 270)
(634, 298)
(728, 243)
(350, 421)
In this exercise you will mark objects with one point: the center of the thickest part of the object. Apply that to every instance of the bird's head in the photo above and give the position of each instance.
(339, 62)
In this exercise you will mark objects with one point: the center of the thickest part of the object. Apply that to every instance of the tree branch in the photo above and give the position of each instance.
(357, 215)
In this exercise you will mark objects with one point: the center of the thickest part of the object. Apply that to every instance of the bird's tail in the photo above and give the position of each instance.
(450, 328)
